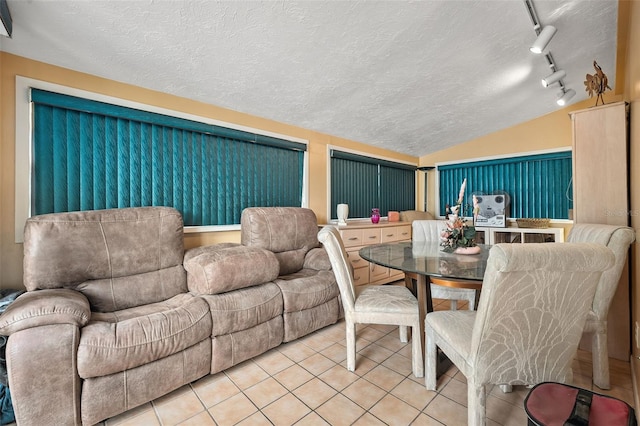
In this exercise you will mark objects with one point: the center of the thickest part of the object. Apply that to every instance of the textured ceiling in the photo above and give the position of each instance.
(411, 76)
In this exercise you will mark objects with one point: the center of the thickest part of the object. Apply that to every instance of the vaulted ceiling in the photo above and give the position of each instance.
(411, 76)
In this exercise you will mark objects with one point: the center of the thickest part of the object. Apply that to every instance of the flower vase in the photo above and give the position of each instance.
(343, 213)
(375, 215)
(467, 250)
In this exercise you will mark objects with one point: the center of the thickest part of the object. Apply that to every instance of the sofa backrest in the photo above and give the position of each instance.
(288, 232)
(118, 258)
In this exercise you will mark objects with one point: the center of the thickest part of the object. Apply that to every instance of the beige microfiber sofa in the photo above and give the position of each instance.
(117, 314)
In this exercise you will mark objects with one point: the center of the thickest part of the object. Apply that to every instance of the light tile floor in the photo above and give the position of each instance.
(306, 382)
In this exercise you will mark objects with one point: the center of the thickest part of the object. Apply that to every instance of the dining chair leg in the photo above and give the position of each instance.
(430, 363)
(416, 351)
(476, 299)
(351, 345)
(600, 354)
(403, 333)
(453, 305)
(476, 404)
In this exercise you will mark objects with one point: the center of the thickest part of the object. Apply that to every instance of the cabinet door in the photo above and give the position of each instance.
(377, 273)
(600, 163)
(371, 236)
(355, 259)
(361, 276)
(395, 233)
(351, 237)
(404, 233)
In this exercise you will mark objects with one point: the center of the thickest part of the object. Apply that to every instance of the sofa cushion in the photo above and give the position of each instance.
(228, 266)
(119, 341)
(307, 288)
(243, 309)
(281, 230)
(301, 323)
(118, 293)
(230, 349)
(97, 251)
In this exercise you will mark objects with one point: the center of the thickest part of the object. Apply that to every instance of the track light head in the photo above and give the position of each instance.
(6, 25)
(565, 96)
(543, 39)
(553, 78)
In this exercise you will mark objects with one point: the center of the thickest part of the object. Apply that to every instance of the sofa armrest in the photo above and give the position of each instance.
(318, 259)
(45, 307)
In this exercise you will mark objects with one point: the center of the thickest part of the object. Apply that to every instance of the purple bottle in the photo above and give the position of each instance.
(375, 215)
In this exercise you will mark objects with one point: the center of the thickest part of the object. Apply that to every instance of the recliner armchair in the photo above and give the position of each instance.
(309, 289)
(107, 322)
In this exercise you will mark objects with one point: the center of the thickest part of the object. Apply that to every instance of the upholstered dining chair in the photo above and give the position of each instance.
(618, 239)
(372, 304)
(443, 288)
(534, 303)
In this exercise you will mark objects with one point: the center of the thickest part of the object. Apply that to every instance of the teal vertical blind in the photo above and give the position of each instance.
(365, 182)
(91, 155)
(539, 186)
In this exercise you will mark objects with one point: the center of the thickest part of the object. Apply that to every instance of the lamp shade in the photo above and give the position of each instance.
(565, 97)
(543, 39)
(553, 78)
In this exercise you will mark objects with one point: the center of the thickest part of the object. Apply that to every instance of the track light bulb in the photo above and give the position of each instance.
(553, 78)
(543, 39)
(564, 97)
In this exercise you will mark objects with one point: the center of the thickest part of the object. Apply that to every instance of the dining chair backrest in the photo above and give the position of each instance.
(533, 307)
(427, 230)
(618, 239)
(332, 242)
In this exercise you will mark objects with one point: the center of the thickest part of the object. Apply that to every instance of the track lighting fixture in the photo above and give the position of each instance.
(564, 96)
(553, 78)
(6, 25)
(543, 39)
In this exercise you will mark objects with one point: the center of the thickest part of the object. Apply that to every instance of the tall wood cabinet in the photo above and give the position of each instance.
(601, 195)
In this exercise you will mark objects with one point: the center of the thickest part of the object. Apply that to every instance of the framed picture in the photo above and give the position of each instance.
(492, 211)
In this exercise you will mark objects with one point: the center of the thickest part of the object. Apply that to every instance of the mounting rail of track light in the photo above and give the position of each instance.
(543, 37)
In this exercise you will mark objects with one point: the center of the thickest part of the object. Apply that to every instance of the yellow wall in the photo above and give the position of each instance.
(11, 66)
(550, 131)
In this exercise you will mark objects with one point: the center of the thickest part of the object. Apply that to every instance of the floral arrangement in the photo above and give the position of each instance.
(458, 233)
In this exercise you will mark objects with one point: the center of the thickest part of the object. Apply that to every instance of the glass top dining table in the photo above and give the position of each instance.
(423, 260)
(428, 258)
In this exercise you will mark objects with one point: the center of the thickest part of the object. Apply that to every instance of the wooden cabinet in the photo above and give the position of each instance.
(600, 165)
(601, 195)
(356, 235)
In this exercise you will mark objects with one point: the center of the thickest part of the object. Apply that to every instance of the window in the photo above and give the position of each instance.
(364, 183)
(95, 155)
(538, 185)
